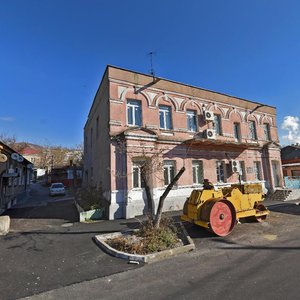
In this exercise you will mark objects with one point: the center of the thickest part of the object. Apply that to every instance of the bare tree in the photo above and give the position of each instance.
(164, 196)
(76, 154)
(53, 156)
(10, 141)
(151, 165)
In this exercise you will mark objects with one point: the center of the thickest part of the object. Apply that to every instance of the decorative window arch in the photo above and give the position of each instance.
(234, 114)
(195, 105)
(265, 119)
(215, 108)
(130, 93)
(165, 99)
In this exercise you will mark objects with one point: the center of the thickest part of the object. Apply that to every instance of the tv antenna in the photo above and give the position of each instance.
(151, 53)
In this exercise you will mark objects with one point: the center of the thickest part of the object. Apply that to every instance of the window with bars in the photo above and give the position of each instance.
(197, 166)
(267, 134)
(165, 117)
(252, 130)
(191, 118)
(217, 124)
(257, 170)
(220, 171)
(242, 170)
(237, 132)
(134, 113)
(169, 171)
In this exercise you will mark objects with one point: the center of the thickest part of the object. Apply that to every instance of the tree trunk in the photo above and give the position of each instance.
(148, 195)
(164, 196)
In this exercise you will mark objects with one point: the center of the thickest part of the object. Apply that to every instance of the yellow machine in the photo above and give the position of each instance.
(219, 210)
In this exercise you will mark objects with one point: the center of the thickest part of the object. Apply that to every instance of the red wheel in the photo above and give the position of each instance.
(222, 218)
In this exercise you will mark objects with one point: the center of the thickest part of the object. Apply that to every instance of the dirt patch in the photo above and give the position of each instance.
(148, 239)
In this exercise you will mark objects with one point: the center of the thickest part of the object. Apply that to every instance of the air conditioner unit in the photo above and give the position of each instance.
(210, 134)
(208, 115)
(235, 166)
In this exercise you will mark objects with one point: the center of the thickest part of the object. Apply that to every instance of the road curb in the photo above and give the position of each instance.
(4, 225)
(149, 258)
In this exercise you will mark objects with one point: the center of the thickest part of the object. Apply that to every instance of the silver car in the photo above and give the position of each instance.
(57, 189)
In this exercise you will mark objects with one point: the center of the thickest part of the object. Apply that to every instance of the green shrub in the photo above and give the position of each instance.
(91, 198)
(148, 239)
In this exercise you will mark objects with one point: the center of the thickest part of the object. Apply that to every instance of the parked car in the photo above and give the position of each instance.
(57, 189)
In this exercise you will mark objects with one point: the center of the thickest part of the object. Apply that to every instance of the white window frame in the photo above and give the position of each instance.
(197, 171)
(191, 119)
(168, 166)
(133, 104)
(220, 170)
(166, 112)
(136, 167)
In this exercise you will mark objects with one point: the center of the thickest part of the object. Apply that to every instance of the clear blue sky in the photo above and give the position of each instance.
(53, 54)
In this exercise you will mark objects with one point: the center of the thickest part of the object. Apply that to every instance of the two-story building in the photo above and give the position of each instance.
(136, 116)
(15, 176)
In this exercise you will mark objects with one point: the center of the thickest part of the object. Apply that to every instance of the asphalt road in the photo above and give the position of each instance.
(49, 255)
(47, 248)
(257, 261)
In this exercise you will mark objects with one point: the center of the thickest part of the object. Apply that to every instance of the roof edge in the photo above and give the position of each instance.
(189, 85)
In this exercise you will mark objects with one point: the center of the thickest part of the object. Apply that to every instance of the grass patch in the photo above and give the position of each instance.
(147, 239)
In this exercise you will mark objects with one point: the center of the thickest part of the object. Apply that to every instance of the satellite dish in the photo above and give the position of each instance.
(20, 158)
(14, 156)
(29, 166)
(3, 157)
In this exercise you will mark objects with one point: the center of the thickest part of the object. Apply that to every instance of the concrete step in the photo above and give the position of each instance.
(294, 195)
(280, 195)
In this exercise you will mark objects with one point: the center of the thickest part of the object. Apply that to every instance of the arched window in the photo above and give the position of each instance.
(252, 130)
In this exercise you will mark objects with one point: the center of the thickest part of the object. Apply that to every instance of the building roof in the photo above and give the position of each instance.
(192, 87)
(290, 152)
(193, 90)
(8, 151)
(29, 151)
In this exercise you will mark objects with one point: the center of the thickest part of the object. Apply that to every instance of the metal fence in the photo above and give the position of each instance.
(292, 182)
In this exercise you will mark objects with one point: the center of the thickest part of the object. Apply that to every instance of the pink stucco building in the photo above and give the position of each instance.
(215, 136)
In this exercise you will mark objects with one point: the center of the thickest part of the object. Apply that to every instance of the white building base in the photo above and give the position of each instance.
(133, 203)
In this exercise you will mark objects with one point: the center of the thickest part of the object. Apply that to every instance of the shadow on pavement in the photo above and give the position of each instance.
(36, 232)
(65, 210)
(286, 208)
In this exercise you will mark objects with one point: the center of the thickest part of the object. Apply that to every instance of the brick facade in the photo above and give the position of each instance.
(134, 116)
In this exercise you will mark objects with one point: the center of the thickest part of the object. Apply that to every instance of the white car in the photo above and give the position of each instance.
(57, 189)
